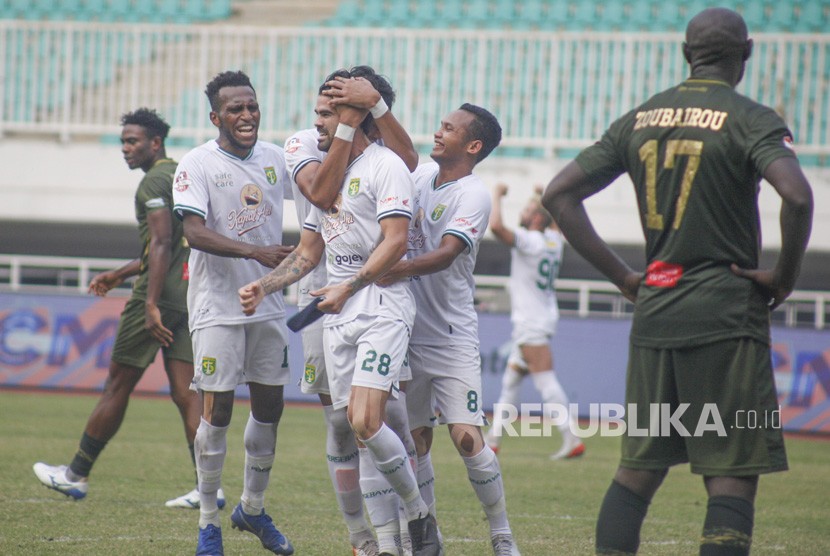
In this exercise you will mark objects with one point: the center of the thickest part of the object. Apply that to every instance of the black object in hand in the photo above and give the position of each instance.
(305, 317)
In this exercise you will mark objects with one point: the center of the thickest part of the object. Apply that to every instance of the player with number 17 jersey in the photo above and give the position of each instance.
(695, 153)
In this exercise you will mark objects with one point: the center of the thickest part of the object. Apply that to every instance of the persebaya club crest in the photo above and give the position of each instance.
(208, 365)
(354, 187)
(271, 174)
(437, 212)
(310, 374)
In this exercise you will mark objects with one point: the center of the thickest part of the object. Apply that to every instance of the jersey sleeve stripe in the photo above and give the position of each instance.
(394, 212)
(309, 227)
(460, 236)
(180, 210)
(302, 165)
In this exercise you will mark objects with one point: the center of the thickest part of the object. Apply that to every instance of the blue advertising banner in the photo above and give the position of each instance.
(64, 342)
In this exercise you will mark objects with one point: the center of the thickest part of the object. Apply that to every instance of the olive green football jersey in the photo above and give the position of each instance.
(155, 192)
(695, 154)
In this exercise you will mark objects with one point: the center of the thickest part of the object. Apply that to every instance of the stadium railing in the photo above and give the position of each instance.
(552, 90)
(581, 298)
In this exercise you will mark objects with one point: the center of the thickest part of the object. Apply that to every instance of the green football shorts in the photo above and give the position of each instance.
(714, 406)
(136, 347)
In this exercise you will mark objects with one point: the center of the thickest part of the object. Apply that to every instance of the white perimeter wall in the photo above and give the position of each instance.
(89, 182)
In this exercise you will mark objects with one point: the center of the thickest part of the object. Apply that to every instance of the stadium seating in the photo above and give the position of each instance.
(126, 11)
(798, 16)
(521, 68)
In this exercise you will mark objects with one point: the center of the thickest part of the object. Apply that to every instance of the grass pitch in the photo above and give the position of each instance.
(552, 505)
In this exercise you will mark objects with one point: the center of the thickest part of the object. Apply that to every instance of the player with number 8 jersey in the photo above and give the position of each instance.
(451, 214)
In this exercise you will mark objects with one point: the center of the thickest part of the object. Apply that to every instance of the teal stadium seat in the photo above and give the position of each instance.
(640, 15)
(753, 14)
(668, 17)
(432, 13)
(612, 16)
(690, 8)
(532, 15)
(399, 14)
(584, 15)
(505, 10)
(780, 17)
(557, 16)
(217, 9)
(813, 17)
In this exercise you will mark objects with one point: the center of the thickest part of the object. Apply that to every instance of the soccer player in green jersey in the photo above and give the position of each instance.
(699, 344)
(154, 317)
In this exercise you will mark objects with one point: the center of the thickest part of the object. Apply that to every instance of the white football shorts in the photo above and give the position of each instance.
(225, 356)
(368, 351)
(446, 382)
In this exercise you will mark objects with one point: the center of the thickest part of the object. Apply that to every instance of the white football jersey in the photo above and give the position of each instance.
(241, 199)
(377, 185)
(446, 313)
(300, 149)
(534, 266)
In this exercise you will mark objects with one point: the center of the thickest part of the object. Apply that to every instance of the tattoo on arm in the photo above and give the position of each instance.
(356, 282)
(291, 269)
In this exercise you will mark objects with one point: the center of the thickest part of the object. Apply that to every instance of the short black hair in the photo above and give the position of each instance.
(149, 120)
(485, 128)
(378, 81)
(226, 79)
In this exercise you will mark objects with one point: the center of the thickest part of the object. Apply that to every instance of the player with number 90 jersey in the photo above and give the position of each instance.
(535, 259)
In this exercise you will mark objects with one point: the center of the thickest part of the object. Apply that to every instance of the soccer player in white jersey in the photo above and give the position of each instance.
(451, 211)
(363, 233)
(535, 259)
(229, 193)
(304, 159)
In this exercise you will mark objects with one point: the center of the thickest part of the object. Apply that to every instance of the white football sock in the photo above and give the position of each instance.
(426, 481)
(343, 464)
(260, 445)
(511, 382)
(389, 456)
(552, 393)
(210, 447)
(485, 475)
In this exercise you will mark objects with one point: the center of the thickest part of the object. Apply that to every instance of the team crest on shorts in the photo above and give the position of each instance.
(271, 174)
(310, 374)
(208, 365)
(437, 212)
(354, 187)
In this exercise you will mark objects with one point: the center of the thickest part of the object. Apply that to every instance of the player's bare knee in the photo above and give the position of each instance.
(217, 408)
(364, 424)
(467, 439)
(739, 487)
(121, 380)
(422, 436)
